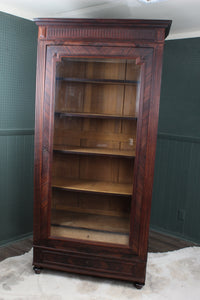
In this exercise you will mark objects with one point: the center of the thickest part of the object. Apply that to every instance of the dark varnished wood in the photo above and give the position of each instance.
(128, 39)
(146, 27)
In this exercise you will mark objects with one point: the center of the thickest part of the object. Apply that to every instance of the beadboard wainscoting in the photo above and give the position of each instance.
(17, 100)
(16, 183)
(176, 193)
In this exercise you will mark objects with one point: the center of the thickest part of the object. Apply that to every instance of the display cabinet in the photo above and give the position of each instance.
(97, 102)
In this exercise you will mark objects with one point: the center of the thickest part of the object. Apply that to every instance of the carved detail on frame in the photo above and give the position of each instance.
(109, 33)
(41, 32)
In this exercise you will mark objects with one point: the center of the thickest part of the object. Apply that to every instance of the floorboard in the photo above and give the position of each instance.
(158, 242)
(16, 248)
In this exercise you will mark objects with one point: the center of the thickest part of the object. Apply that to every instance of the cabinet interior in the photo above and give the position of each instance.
(94, 145)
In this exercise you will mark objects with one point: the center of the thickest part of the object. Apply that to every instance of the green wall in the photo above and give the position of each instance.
(17, 92)
(176, 193)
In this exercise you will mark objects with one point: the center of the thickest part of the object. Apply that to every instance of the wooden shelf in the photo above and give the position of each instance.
(90, 226)
(91, 186)
(94, 151)
(93, 115)
(98, 81)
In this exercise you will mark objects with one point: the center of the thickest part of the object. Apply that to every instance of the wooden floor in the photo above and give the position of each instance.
(157, 243)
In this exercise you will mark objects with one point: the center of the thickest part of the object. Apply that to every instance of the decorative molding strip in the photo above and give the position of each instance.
(104, 33)
(181, 138)
(42, 32)
(17, 131)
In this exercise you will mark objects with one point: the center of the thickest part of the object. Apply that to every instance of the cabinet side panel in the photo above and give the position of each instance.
(38, 137)
(141, 146)
(151, 150)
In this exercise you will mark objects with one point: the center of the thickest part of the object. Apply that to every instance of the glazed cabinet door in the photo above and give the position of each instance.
(95, 128)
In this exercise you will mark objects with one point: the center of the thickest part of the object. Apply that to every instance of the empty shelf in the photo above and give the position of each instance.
(94, 115)
(90, 227)
(94, 151)
(93, 186)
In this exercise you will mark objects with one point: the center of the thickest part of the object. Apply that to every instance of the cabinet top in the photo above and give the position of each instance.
(145, 27)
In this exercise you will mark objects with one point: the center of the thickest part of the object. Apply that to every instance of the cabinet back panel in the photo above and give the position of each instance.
(103, 99)
(113, 69)
(108, 70)
(70, 68)
(95, 133)
(107, 169)
(129, 108)
(90, 98)
(90, 203)
(132, 71)
(69, 96)
(65, 166)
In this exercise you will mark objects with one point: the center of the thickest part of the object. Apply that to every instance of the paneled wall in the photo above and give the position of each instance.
(17, 92)
(176, 194)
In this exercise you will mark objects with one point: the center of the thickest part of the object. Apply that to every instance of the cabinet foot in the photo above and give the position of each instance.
(138, 286)
(37, 270)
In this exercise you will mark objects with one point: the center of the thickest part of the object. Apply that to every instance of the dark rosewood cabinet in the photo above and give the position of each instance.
(97, 103)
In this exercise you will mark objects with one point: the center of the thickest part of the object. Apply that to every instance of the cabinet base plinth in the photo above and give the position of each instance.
(91, 264)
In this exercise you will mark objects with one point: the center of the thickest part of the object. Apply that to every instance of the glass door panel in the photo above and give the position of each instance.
(95, 124)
